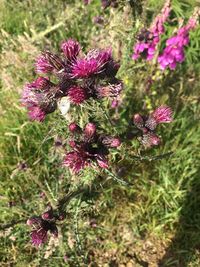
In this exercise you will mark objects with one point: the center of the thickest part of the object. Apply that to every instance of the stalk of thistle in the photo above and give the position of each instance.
(77, 77)
(88, 146)
(149, 38)
(174, 53)
(147, 125)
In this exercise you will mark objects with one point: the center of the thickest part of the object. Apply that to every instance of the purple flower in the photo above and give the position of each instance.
(90, 130)
(138, 121)
(36, 113)
(43, 65)
(74, 128)
(40, 229)
(49, 63)
(98, 20)
(174, 50)
(150, 139)
(39, 98)
(107, 3)
(111, 142)
(92, 64)
(148, 39)
(70, 49)
(147, 124)
(89, 147)
(162, 114)
(77, 95)
(84, 68)
(76, 160)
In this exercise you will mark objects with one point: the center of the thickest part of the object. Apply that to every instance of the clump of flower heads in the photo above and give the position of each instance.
(147, 125)
(41, 225)
(174, 50)
(149, 38)
(78, 76)
(87, 147)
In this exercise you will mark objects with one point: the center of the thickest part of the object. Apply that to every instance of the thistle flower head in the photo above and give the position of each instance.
(89, 147)
(162, 114)
(92, 64)
(138, 121)
(40, 228)
(49, 63)
(77, 95)
(107, 3)
(43, 83)
(74, 128)
(90, 130)
(83, 68)
(150, 139)
(38, 98)
(76, 160)
(43, 65)
(111, 142)
(35, 113)
(71, 49)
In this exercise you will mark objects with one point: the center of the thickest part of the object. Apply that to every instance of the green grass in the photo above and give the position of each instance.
(160, 212)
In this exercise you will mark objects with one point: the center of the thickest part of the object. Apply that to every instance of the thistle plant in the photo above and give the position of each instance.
(92, 145)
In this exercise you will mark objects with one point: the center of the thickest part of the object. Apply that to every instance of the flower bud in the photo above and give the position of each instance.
(90, 130)
(70, 49)
(102, 162)
(111, 142)
(48, 215)
(74, 128)
(138, 121)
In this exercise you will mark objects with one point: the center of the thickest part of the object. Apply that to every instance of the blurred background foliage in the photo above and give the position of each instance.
(154, 222)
